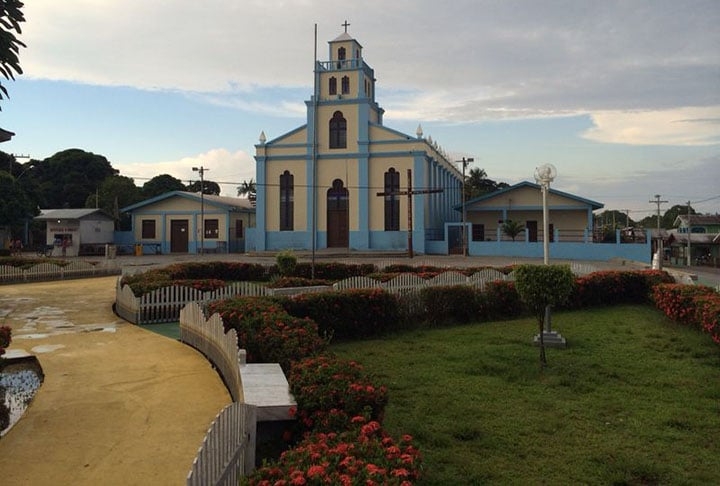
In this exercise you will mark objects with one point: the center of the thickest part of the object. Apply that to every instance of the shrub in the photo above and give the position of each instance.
(364, 454)
(5, 339)
(690, 305)
(204, 285)
(616, 287)
(288, 282)
(268, 333)
(501, 300)
(451, 304)
(329, 391)
(334, 271)
(347, 314)
(286, 262)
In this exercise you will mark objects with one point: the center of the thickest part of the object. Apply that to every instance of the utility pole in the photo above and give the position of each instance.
(201, 170)
(689, 234)
(463, 233)
(660, 241)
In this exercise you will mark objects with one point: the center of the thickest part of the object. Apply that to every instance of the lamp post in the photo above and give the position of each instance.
(465, 162)
(544, 175)
(201, 170)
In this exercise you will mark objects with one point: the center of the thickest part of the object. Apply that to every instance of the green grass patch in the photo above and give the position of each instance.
(634, 399)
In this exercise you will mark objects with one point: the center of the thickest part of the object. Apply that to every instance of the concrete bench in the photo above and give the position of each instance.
(265, 386)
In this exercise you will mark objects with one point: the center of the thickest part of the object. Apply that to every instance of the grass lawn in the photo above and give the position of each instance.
(634, 399)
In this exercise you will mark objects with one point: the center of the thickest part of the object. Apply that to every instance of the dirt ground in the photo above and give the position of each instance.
(119, 405)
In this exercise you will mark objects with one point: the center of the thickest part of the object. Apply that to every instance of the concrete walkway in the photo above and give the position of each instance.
(119, 405)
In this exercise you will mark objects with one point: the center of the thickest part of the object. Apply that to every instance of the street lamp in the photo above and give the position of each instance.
(544, 175)
(465, 163)
(201, 170)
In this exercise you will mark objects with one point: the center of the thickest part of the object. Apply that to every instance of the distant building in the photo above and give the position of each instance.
(697, 237)
(84, 231)
(171, 223)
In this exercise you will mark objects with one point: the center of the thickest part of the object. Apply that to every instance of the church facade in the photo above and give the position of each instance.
(344, 180)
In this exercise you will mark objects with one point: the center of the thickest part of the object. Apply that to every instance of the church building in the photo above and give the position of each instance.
(344, 180)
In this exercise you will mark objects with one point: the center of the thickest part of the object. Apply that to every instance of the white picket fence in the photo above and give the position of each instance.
(164, 304)
(228, 450)
(52, 271)
(209, 337)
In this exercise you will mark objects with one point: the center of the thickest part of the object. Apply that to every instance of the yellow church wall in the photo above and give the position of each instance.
(376, 205)
(346, 171)
(325, 114)
(273, 171)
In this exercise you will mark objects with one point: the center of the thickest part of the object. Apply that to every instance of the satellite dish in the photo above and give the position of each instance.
(545, 174)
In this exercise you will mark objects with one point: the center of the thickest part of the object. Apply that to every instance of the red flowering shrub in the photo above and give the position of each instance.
(329, 391)
(204, 285)
(502, 301)
(347, 314)
(451, 304)
(691, 305)
(616, 287)
(285, 282)
(268, 333)
(364, 454)
(333, 270)
(5, 338)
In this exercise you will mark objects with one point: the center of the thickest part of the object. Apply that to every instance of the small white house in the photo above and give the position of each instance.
(85, 231)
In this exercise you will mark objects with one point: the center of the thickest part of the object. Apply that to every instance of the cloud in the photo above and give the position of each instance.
(682, 126)
(468, 60)
(226, 168)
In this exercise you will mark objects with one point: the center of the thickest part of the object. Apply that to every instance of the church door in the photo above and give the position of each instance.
(338, 228)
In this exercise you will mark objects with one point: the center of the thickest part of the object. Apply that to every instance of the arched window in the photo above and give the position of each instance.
(338, 131)
(337, 197)
(392, 202)
(341, 57)
(287, 188)
(345, 85)
(332, 88)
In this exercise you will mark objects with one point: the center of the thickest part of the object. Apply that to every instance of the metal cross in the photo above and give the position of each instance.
(346, 25)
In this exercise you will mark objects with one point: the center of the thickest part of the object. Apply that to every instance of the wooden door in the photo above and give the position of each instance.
(338, 211)
(179, 235)
(532, 229)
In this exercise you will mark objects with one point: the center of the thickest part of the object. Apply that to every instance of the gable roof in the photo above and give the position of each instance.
(697, 219)
(222, 202)
(593, 204)
(84, 213)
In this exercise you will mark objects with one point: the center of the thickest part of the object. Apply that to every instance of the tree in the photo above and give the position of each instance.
(209, 187)
(541, 287)
(161, 184)
(478, 184)
(513, 228)
(11, 16)
(66, 179)
(114, 193)
(668, 219)
(249, 189)
(15, 205)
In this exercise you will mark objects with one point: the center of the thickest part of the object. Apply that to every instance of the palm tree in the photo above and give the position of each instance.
(248, 189)
(513, 228)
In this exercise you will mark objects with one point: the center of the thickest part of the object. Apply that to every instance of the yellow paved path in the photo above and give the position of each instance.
(119, 405)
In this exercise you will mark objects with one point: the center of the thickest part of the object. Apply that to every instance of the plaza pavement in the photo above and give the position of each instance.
(120, 404)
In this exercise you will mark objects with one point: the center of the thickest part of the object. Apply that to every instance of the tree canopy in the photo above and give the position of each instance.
(11, 15)
(65, 179)
(209, 187)
(114, 193)
(478, 184)
(161, 184)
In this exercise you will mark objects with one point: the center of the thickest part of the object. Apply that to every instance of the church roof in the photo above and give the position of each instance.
(342, 37)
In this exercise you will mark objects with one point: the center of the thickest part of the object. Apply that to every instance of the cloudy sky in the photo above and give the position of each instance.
(623, 97)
